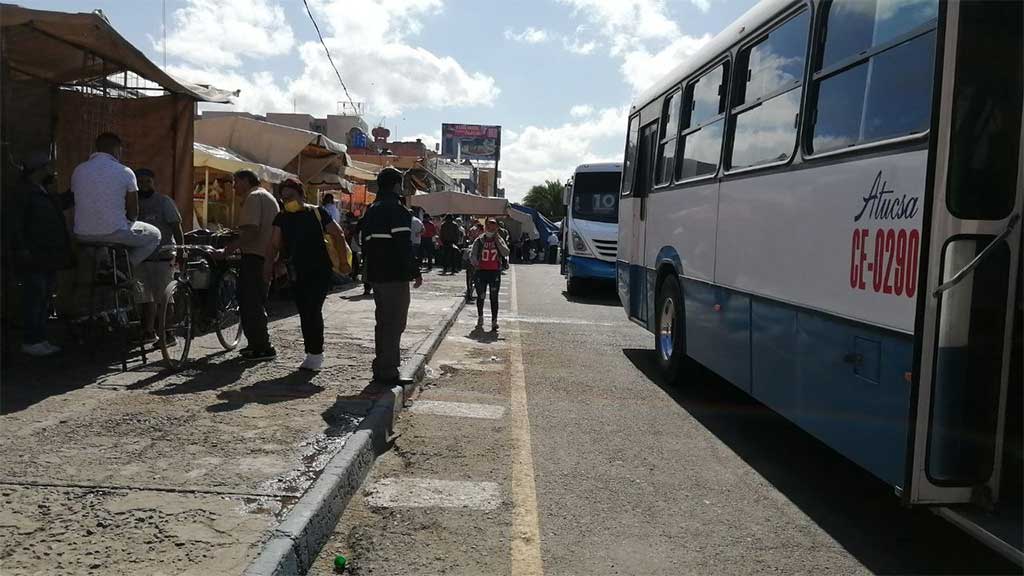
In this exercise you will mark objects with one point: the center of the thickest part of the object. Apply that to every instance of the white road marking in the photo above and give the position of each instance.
(430, 493)
(458, 409)
(526, 560)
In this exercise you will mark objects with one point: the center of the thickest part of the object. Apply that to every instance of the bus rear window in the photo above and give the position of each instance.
(595, 196)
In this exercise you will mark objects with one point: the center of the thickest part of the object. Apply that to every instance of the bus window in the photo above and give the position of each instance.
(985, 140)
(876, 77)
(595, 196)
(769, 101)
(629, 167)
(667, 147)
(701, 140)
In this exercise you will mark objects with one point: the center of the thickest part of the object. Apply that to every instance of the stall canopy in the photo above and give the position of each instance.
(68, 77)
(298, 151)
(358, 171)
(65, 48)
(520, 222)
(205, 156)
(439, 203)
(544, 226)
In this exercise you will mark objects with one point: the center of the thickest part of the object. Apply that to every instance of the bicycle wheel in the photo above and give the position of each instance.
(176, 323)
(228, 321)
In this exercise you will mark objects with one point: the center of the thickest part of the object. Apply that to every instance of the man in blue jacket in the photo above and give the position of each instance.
(390, 266)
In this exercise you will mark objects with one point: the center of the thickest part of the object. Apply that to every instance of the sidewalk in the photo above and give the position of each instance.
(151, 472)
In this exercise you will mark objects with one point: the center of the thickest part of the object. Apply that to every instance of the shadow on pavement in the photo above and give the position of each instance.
(597, 294)
(294, 386)
(206, 376)
(859, 511)
(483, 335)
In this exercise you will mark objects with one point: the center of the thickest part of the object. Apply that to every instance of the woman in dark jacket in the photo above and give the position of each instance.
(41, 245)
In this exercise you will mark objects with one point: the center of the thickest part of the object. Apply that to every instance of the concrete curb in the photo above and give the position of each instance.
(295, 543)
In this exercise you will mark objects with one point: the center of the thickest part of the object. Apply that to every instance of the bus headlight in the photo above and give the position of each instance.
(578, 245)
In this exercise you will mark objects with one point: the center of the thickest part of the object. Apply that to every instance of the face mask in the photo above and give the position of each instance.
(293, 206)
(146, 193)
(490, 234)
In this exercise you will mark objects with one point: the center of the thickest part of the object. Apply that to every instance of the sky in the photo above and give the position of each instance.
(557, 75)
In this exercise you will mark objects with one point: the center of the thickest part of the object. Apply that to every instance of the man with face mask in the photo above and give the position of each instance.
(39, 237)
(157, 271)
(487, 254)
(390, 267)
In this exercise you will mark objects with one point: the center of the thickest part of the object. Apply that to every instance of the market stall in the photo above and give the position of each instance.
(216, 205)
(439, 203)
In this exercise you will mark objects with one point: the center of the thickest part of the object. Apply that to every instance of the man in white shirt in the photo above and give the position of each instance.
(416, 229)
(107, 202)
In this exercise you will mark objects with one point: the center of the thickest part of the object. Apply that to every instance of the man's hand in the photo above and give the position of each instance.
(417, 282)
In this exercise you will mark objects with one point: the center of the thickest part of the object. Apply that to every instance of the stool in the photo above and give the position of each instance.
(121, 281)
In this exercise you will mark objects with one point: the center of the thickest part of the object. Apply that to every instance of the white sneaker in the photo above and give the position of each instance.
(313, 362)
(39, 349)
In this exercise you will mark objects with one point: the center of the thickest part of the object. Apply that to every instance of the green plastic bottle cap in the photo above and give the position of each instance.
(340, 562)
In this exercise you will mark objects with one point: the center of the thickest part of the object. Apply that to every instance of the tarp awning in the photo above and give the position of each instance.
(62, 48)
(299, 151)
(521, 222)
(360, 171)
(439, 203)
(230, 161)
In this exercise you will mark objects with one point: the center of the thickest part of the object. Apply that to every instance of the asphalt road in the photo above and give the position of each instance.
(628, 475)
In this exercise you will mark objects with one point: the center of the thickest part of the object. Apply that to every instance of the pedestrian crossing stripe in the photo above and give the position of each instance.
(458, 409)
(431, 493)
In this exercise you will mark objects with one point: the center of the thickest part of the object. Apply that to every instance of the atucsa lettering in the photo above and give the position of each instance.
(884, 260)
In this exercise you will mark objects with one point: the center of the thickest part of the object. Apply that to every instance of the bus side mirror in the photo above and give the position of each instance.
(566, 194)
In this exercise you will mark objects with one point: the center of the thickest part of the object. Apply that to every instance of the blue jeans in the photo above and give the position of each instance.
(141, 239)
(36, 289)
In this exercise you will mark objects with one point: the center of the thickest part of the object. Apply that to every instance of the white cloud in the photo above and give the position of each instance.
(219, 32)
(429, 139)
(529, 35)
(533, 154)
(641, 33)
(581, 110)
(577, 44)
(641, 68)
(371, 42)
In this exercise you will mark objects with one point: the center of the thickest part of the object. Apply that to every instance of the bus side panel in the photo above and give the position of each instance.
(685, 219)
(718, 330)
(790, 236)
(844, 383)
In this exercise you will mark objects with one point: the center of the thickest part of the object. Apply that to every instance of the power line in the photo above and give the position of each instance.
(331, 60)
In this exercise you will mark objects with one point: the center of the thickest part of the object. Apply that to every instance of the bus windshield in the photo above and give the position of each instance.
(595, 196)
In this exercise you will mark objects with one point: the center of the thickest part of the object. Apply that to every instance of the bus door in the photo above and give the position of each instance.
(644, 173)
(971, 264)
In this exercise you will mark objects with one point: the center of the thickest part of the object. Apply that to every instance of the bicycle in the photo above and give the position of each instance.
(203, 297)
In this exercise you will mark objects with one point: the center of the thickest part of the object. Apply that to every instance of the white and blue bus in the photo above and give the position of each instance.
(822, 206)
(591, 227)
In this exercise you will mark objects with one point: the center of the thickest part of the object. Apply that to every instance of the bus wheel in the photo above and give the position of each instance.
(572, 286)
(668, 335)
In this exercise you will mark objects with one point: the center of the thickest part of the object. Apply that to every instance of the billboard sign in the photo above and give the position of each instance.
(471, 141)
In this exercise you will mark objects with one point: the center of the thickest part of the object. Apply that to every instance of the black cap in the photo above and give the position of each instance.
(388, 178)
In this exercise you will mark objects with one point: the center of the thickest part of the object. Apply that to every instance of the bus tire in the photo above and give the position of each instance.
(668, 333)
(572, 286)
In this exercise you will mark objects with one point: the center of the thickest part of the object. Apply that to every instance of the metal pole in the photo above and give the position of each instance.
(206, 199)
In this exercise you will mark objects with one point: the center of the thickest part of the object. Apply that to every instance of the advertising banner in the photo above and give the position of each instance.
(471, 141)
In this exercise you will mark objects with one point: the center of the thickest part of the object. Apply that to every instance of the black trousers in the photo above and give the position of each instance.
(391, 300)
(427, 252)
(488, 279)
(252, 302)
(309, 294)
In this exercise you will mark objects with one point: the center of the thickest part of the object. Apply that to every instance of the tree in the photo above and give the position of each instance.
(547, 199)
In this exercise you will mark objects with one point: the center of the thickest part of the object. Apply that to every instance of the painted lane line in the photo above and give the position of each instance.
(526, 559)
(458, 409)
(430, 493)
